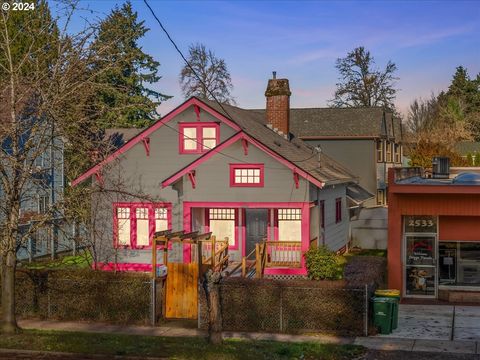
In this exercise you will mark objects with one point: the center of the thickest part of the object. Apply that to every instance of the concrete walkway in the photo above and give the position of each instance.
(437, 322)
(376, 343)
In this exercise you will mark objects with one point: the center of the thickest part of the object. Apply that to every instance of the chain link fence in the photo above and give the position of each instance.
(292, 307)
(102, 297)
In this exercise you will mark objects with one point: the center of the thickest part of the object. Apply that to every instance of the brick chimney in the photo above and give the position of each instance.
(278, 103)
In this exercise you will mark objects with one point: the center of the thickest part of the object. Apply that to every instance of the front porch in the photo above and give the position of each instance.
(261, 238)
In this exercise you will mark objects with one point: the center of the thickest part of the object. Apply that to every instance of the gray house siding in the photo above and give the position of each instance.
(354, 155)
(213, 184)
(213, 179)
(136, 177)
(335, 235)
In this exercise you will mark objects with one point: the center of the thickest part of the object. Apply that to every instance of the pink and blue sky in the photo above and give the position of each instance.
(302, 39)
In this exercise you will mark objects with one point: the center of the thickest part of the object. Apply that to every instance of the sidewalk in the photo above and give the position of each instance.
(375, 343)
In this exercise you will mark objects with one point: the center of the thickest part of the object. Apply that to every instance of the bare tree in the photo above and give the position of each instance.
(422, 114)
(47, 83)
(207, 76)
(363, 85)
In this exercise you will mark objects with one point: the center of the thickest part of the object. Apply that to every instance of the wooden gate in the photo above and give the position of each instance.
(181, 291)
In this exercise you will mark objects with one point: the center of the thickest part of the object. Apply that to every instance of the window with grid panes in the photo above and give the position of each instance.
(246, 175)
(123, 226)
(198, 137)
(161, 219)
(289, 224)
(222, 224)
(141, 218)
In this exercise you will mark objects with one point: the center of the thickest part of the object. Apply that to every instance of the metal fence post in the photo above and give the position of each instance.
(366, 310)
(153, 299)
(281, 309)
(49, 306)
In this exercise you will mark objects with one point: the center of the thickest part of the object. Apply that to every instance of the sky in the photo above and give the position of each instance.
(301, 40)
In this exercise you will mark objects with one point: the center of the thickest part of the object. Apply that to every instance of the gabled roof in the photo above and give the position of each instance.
(303, 156)
(251, 122)
(342, 123)
(145, 133)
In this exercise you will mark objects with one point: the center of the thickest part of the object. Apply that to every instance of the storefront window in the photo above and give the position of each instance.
(420, 255)
(459, 263)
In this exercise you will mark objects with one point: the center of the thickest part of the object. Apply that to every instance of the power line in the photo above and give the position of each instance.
(208, 90)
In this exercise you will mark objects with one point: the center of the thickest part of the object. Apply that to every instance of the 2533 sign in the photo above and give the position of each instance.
(417, 224)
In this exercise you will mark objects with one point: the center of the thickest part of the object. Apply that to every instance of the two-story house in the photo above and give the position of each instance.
(237, 173)
(368, 141)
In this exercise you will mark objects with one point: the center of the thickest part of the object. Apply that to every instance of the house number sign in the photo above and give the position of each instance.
(420, 224)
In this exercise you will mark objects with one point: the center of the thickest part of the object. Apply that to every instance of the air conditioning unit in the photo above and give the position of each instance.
(440, 167)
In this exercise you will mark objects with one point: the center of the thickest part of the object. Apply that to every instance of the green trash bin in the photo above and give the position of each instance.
(394, 295)
(383, 314)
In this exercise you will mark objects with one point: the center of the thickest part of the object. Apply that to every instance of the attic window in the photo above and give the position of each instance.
(196, 138)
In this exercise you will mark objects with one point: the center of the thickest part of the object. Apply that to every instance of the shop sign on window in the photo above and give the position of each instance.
(420, 224)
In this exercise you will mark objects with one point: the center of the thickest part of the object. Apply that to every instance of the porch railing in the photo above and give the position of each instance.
(284, 254)
(214, 253)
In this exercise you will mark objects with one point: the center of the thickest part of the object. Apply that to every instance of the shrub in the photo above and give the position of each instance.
(323, 264)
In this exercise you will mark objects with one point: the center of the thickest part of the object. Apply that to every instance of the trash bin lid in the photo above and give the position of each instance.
(388, 292)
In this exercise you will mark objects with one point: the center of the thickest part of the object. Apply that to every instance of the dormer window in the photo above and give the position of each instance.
(197, 138)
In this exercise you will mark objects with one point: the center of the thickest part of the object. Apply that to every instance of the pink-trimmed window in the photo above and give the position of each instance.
(198, 137)
(136, 223)
(248, 175)
(290, 224)
(338, 210)
(223, 223)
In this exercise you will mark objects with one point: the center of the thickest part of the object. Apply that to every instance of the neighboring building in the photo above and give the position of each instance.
(368, 141)
(217, 168)
(434, 238)
(470, 151)
(44, 189)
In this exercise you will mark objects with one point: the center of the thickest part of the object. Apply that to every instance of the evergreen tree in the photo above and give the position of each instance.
(128, 101)
(33, 34)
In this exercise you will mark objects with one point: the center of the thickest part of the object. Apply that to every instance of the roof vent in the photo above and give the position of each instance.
(440, 167)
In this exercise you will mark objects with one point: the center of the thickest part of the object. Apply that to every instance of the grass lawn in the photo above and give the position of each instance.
(79, 261)
(173, 348)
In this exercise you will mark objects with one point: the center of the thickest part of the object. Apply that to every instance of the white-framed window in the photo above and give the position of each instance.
(290, 224)
(43, 204)
(380, 150)
(381, 197)
(398, 153)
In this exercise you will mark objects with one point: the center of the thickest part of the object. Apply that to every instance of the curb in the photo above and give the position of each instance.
(66, 355)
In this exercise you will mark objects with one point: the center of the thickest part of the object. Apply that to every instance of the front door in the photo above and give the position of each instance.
(256, 227)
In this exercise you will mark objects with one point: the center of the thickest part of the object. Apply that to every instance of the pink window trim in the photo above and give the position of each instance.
(237, 227)
(338, 210)
(133, 223)
(199, 126)
(234, 167)
(111, 266)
